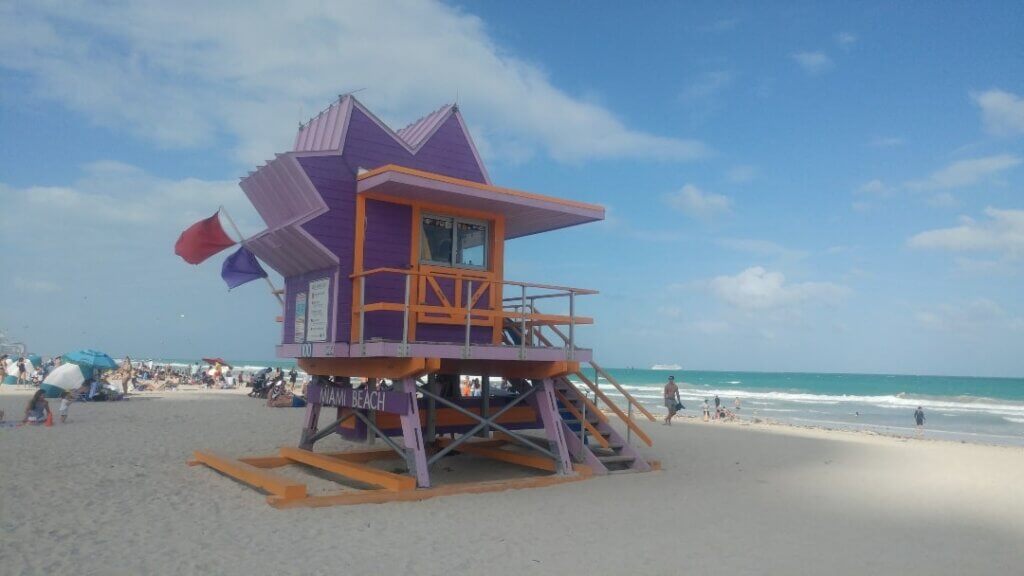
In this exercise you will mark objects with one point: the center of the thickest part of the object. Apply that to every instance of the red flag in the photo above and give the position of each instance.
(202, 240)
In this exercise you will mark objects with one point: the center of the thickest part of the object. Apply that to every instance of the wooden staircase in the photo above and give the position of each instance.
(590, 436)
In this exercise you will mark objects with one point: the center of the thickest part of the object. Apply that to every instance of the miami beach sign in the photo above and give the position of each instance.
(388, 401)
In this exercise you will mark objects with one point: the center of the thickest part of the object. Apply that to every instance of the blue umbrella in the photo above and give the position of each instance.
(91, 359)
(35, 359)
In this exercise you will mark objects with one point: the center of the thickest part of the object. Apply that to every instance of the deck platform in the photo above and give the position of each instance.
(386, 486)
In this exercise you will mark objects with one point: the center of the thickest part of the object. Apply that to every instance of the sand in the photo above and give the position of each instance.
(109, 493)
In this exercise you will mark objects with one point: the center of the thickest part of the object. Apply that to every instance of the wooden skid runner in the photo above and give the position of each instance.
(353, 470)
(280, 487)
(287, 493)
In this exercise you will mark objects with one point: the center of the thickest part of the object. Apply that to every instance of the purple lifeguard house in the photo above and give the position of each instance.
(391, 246)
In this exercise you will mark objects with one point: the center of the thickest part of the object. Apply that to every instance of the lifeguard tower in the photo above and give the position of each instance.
(391, 245)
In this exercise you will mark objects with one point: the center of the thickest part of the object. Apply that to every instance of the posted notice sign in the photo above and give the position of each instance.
(316, 324)
(300, 318)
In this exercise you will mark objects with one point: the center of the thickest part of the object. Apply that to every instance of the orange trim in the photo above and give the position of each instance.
(389, 368)
(477, 185)
(618, 411)
(357, 264)
(283, 488)
(497, 292)
(445, 417)
(354, 470)
(441, 209)
(528, 460)
(350, 497)
(579, 417)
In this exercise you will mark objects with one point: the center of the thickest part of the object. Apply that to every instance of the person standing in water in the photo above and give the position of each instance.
(671, 399)
(919, 419)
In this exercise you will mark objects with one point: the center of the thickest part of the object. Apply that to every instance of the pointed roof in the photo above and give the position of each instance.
(420, 131)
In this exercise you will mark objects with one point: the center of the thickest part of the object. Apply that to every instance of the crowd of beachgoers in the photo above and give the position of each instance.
(32, 373)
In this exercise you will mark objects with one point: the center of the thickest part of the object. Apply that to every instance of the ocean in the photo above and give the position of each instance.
(983, 410)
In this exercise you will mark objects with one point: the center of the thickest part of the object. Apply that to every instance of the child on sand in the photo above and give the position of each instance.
(65, 403)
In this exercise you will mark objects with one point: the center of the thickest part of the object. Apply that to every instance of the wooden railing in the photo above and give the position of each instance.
(467, 310)
(537, 334)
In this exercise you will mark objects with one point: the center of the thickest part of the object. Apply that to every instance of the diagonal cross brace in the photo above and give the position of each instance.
(391, 443)
(328, 430)
(519, 438)
(483, 423)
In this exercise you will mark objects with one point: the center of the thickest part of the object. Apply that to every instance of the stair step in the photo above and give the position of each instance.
(614, 459)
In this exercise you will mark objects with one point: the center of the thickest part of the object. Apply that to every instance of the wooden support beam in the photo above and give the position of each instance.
(283, 488)
(265, 461)
(350, 497)
(494, 453)
(524, 369)
(390, 368)
(363, 455)
(353, 470)
(579, 417)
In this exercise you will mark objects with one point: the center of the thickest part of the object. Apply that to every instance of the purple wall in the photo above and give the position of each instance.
(388, 244)
(295, 284)
(368, 146)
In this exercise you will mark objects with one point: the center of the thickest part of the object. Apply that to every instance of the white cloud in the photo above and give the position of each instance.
(762, 248)
(115, 210)
(942, 200)
(846, 40)
(979, 315)
(966, 172)
(193, 74)
(1002, 112)
(710, 327)
(36, 286)
(758, 289)
(874, 187)
(1002, 233)
(709, 85)
(693, 201)
(813, 62)
(741, 174)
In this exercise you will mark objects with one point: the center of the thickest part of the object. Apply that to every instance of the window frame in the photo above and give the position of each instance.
(455, 220)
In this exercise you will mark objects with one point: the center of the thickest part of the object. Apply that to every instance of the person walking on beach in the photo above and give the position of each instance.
(292, 375)
(126, 378)
(65, 404)
(22, 371)
(707, 410)
(671, 399)
(919, 419)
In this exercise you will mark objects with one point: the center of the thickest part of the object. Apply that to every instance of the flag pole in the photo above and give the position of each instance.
(241, 240)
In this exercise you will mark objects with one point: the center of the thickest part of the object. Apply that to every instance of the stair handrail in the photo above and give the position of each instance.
(604, 373)
(615, 408)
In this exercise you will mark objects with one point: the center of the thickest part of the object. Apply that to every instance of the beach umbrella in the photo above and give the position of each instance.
(12, 372)
(91, 359)
(35, 359)
(218, 360)
(63, 377)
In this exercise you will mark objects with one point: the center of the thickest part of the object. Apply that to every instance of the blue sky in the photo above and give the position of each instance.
(802, 188)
